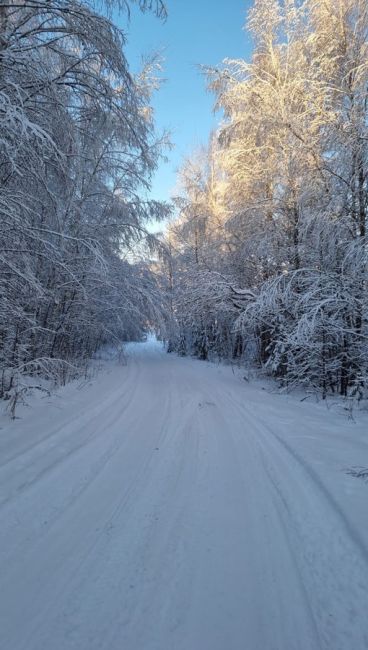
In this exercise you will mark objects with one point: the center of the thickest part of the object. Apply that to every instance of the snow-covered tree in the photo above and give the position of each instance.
(77, 147)
(291, 187)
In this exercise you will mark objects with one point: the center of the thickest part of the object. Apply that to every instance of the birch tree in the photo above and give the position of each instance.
(292, 159)
(77, 147)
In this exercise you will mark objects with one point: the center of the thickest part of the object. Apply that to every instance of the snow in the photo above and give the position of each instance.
(169, 505)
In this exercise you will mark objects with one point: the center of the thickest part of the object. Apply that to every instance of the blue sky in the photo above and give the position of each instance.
(196, 32)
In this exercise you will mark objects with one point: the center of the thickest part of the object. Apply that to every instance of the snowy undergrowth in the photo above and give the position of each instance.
(26, 389)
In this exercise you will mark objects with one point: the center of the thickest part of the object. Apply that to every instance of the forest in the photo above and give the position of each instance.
(267, 259)
(263, 256)
(77, 150)
(183, 324)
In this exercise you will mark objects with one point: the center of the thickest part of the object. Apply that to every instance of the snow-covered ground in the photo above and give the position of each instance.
(170, 505)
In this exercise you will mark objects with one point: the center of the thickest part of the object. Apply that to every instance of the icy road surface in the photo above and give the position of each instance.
(169, 505)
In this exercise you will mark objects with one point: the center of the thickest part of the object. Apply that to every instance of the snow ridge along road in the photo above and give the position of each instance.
(168, 505)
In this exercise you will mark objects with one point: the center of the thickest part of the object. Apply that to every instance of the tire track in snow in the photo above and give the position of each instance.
(75, 550)
(93, 411)
(329, 563)
(188, 533)
(274, 548)
(39, 453)
(108, 542)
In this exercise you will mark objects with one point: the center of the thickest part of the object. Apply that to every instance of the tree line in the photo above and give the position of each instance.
(267, 258)
(77, 150)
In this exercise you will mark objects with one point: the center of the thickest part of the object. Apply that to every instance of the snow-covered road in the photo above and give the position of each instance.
(169, 505)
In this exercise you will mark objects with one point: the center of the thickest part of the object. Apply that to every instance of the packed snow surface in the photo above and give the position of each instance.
(170, 505)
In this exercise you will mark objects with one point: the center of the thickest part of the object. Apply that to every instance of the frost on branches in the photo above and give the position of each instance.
(76, 148)
(268, 256)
